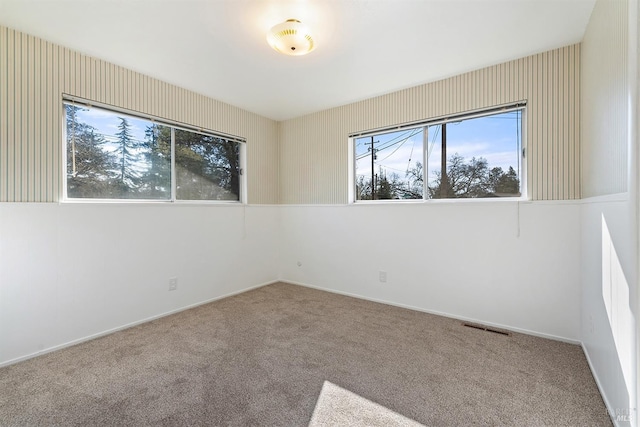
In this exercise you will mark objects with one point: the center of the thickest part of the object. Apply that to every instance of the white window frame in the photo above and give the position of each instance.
(521, 106)
(72, 100)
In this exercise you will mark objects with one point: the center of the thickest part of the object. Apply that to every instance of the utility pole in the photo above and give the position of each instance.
(73, 147)
(444, 179)
(373, 171)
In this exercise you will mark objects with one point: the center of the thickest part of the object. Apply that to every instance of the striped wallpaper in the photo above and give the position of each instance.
(303, 160)
(605, 100)
(35, 73)
(314, 149)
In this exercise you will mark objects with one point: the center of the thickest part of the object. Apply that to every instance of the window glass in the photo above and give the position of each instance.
(482, 157)
(472, 157)
(115, 156)
(90, 161)
(158, 180)
(389, 165)
(207, 167)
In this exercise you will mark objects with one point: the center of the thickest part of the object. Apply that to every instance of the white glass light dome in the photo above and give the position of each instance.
(291, 37)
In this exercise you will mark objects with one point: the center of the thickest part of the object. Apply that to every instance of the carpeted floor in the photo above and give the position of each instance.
(261, 358)
(339, 407)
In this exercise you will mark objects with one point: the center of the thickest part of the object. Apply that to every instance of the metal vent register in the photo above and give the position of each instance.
(486, 328)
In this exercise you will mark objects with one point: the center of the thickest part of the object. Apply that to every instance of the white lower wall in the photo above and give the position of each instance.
(71, 271)
(609, 301)
(498, 262)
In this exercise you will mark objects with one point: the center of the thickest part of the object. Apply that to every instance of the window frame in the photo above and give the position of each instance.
(522, 155)
(72, 100)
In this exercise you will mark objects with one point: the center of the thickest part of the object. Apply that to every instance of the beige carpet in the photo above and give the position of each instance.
(263, 357)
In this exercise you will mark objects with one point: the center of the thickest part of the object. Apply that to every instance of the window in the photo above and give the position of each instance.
(110, 155)
(468, 156)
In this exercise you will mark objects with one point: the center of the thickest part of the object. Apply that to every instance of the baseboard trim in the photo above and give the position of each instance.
(130, 325)
(594, 374)
(292, 282)
(438, 313)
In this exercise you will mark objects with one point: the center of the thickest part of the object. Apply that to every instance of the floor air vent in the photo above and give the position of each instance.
(485, 328)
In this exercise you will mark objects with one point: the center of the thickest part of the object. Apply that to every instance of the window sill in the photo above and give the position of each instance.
(441, 201)
(134, 202)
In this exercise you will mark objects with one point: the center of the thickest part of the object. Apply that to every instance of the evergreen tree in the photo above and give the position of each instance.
(129, 169)
(157, 178)
(207, 167)
(384, 188)
(88, 162)
(508, 183)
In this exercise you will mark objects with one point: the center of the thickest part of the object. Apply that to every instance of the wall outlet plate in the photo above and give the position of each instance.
(173, 283)
(382, 276)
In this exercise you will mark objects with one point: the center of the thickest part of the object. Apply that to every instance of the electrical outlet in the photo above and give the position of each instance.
(173, 283)
(382, 276)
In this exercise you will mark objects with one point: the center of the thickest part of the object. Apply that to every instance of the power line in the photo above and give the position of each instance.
(411, 155)
(389, 167)
(404, 137)
(403, 142)
(433, 140)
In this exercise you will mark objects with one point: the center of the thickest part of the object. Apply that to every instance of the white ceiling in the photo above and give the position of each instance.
(364, 47)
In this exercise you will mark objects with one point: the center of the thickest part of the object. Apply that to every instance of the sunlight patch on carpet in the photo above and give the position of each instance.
(339, 407)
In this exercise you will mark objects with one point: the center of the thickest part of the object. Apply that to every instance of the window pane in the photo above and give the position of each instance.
(158, 180)
(389, 165)
(207, 167)
(482, 157)
(113, 156)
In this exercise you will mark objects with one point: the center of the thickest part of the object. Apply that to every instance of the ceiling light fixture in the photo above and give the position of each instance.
(291, 37)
